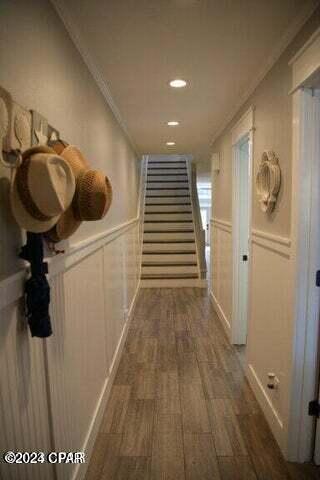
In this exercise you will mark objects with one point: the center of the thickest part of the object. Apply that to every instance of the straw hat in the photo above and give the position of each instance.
(42, 189)
(92, 198)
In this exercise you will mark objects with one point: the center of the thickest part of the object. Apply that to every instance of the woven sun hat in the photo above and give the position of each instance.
(67, 224)
(93, 195)
(92, 198)
(42, 189)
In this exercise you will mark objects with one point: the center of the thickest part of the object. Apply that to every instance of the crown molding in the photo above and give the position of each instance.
(75, 36)
(285, 41)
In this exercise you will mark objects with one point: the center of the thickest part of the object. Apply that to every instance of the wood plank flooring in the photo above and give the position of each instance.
(180, 407)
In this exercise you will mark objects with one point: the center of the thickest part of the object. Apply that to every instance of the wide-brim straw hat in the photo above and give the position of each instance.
(92, 198)
(42, 189)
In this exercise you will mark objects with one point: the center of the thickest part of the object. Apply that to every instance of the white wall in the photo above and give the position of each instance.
(43, 70)
(270, 329)
(52, 392)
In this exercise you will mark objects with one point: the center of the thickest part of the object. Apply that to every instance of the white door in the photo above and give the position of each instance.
(205, 217)
(241, 234)
(244, 235)
(317, 443)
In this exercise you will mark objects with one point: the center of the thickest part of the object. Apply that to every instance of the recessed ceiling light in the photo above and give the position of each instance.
(178, 83)
(173, 123)
(170, 144)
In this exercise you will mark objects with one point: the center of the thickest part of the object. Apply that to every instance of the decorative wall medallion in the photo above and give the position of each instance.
(268, 181)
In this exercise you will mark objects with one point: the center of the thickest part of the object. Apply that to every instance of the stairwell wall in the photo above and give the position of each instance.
(270, 330)
(53, 392)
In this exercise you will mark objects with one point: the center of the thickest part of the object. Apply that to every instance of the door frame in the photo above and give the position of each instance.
(305, 257)
(242, 131)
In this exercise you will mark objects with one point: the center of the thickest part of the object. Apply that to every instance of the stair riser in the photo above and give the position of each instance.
(166, 165)
(167, 168)
(183, 227)
(168, 236)
(168, 270)
(172, 247)
(167, 178)
(167, 208)
(163, 258)
(167, 216)
(168, 185)
(167, 193)
(165, 171)
(165, 159)
(169, 200)
(173, 283)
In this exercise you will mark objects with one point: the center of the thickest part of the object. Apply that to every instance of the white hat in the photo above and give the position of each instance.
(42, 189)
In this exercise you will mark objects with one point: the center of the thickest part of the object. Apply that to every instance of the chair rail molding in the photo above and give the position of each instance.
(12, 287)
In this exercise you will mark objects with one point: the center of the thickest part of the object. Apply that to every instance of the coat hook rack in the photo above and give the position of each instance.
(20, 129)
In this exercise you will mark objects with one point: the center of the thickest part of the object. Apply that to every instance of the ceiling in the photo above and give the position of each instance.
(218, 46)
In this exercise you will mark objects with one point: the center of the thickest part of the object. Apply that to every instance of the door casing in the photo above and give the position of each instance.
(242, 132)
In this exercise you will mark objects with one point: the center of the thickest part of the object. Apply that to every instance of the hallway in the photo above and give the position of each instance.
(180, 406)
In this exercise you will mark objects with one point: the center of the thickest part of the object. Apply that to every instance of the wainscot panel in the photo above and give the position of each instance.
(54, 391)
(221, 275)
(269, 327)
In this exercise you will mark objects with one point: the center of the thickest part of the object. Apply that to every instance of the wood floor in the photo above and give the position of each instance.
(180, 407)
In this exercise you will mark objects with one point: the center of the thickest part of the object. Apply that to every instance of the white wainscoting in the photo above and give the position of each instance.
(270, 326)
(221, 271)
(270, 330)
(53, 392)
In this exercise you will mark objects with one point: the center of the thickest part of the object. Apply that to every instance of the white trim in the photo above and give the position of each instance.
(12, 288)
(285, 41)
(242, 130)
(223, 224)
(81, 469)
(305, 251)
(272, 416)
(305, 301)
(75, 36)
(306, 63)
(224, 321)
(286, 241)
(275, 243)
(302, 50)
(243, 126)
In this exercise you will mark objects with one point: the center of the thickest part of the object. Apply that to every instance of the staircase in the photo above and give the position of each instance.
(170, 256)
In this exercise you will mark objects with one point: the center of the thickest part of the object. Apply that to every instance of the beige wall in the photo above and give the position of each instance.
(42, 69)
(270, 324)
(273, 131)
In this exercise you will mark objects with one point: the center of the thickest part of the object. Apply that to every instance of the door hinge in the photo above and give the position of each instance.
(318, 278)
(314, 408)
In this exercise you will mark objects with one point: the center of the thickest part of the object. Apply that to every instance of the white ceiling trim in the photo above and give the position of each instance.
(285, 41)
(73, 31)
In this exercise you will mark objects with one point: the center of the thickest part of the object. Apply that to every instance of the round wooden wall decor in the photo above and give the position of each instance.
(268, 181)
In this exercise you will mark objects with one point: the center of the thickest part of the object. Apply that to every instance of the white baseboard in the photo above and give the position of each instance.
(81, 469)
(224, 321)
(268, 409)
